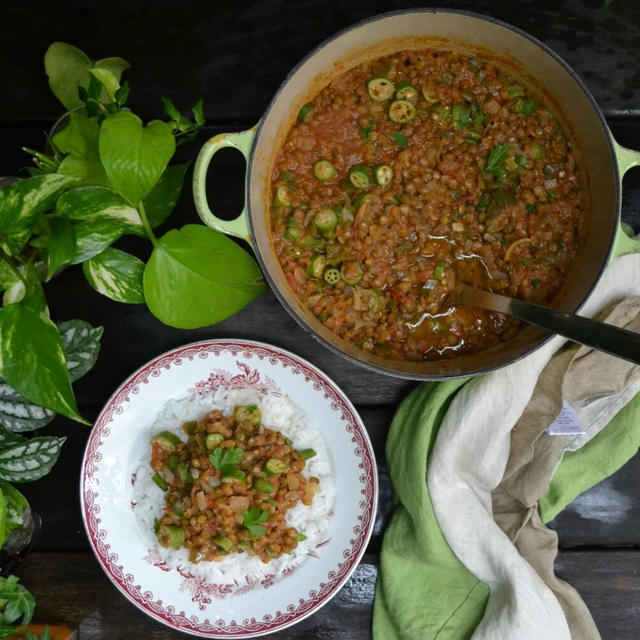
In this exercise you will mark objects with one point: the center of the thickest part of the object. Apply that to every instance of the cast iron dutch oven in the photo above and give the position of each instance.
(602, 159)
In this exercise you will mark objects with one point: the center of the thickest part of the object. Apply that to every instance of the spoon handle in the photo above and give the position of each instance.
(591, 333)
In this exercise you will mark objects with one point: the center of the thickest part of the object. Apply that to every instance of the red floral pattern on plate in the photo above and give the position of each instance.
(202, 592)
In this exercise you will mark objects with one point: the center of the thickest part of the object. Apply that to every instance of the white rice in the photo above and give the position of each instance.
(238, 571)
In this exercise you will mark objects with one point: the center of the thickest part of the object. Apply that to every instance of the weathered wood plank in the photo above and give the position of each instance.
(71, 588)
(200, 48)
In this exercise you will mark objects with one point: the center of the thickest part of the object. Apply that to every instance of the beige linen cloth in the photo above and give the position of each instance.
(597, 386)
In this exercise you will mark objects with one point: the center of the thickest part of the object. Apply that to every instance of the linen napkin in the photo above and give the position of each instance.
(597, 385)
(468, 461)
(418, 572)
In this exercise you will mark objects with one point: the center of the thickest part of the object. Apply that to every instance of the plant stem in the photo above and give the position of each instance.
(12, 267)
(146, 225)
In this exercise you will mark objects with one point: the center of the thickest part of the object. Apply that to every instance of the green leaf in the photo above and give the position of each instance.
(108, 81)
(81, 345)
(32, 359)
(22, 202)
(253, 518)
(400, 140)
(13, 505)
(198, 112)
(496, 157)
(196, 277)
(134, 156)
(68, 69)
(30, 460)
(79, 141)
(20, 415)
(162, 199)
(17, 602)
(8, 438)
(365, 132)
(223, 459)
(114, 64)
(100, 216)
(62, 245)
(117, 275)
(170, 109)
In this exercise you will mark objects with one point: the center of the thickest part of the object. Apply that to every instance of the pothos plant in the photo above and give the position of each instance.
(103, 175)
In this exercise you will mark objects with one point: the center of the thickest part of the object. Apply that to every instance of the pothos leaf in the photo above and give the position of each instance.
(79, 141)
(134, 156)
(62, 245)
(117, 275)
(29, 460)
(22, 202)
(68, 69)
(13, 505)
(196, 277)
(164, 196)
(99, 216)
(81, 345)
(32, 359)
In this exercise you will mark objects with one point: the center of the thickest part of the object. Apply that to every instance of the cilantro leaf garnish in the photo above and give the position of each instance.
(224, 459)
(252, 519)
(494, 162)
(365, 132)
(399, 139)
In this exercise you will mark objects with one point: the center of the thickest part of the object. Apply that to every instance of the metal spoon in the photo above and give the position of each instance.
(591, 333)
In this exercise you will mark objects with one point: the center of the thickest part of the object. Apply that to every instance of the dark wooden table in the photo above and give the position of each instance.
(235, 56)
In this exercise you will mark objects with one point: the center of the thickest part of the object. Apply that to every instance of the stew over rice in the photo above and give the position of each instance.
(408, 173)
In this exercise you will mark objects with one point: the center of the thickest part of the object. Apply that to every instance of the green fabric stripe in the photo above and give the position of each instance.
(423, 590)
(604, 454)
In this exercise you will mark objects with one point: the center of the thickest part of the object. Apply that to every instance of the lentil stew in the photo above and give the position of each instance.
(410, 172)
(229, 487)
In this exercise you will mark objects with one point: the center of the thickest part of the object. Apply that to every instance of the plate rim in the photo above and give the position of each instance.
(370, 510)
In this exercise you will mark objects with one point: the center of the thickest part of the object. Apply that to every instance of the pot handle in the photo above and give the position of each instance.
(625, 242)
(242, 141)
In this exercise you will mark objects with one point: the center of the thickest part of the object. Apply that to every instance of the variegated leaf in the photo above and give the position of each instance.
(22, 202)
(81, 344)
(30, 460)
(100, 216)
(18, 414)
(117, 275)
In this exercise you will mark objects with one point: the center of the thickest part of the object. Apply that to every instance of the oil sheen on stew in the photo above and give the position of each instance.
(409, 172)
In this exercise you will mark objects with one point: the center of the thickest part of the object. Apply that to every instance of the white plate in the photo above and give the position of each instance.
(174, 596)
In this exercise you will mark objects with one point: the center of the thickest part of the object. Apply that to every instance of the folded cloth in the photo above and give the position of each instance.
(599, 385)
(468, 462)
(423, 591)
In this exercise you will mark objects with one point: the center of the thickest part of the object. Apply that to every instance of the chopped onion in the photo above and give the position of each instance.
(200, 499)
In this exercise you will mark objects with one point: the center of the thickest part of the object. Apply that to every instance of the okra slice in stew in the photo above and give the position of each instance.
(360, 176)
(331, 276)
(305, 110)
(248, 413)
(170, 535)
(401, 111)
(316, 266)
(223, 543)
(346, 216)
(323, 170)
(281, 198)
(351, 272)
(325, 221)
(213, 440)
(292, 231)
(264, 486)
(166, 440)
(380, 89)
(275, 466)
(305, 454)
(383, 174)
(406, 91)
